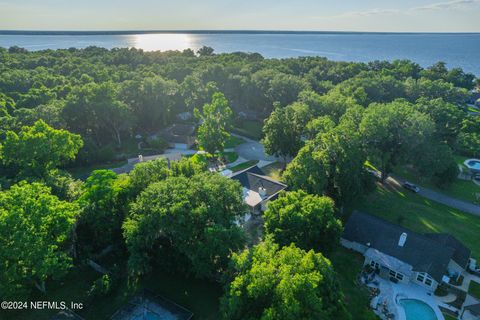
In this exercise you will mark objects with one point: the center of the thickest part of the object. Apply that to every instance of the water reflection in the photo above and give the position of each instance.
(163, 42)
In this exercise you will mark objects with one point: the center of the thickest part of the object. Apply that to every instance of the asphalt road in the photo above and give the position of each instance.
(440, 197)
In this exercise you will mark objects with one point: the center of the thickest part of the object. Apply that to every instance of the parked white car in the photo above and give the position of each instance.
(473, 267)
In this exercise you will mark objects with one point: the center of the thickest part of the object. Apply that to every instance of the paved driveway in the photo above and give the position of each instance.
(440, 197)
(253, 150)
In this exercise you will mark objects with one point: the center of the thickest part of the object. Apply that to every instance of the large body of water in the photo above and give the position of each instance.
(457, 50)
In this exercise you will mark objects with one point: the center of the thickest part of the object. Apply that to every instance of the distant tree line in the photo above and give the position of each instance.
(332, 119)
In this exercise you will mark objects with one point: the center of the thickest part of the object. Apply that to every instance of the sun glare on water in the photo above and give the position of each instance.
(162, 42)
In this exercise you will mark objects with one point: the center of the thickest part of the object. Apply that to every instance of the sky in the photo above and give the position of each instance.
(317, 15)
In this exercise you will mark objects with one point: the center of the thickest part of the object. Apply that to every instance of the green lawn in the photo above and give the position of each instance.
(348, 264)
(83, 172)
(250, 129)
(422, 215)
(274, 170)
(233, 141)
(474, 289)
(461, 189)
(229, 156)
(448, 316)
(244, 165)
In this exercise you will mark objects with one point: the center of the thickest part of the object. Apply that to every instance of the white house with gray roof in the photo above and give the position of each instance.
(402, 255)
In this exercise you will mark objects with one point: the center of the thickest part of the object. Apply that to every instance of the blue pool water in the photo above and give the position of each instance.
(474, 164)
(417, 310)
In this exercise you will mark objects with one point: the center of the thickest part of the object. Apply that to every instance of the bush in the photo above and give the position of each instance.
(101, 287)
(157, 143)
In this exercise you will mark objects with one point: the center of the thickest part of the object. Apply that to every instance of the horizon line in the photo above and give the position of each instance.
(211, 31)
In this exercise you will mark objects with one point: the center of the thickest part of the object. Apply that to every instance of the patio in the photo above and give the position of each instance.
(387, 303)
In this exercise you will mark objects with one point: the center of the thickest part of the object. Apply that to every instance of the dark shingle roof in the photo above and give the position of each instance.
(474, 308)
(179, 133)
(461, 253)
(420, 251)
(253, 178)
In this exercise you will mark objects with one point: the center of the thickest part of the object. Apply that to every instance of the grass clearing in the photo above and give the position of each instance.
(474, 289)
(244, 165)
(414, 212)
(348, 265)
(250, 129)
(233, 141)
(84, 172)
(448, 316)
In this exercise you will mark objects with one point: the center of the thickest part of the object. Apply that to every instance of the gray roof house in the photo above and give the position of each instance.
(258, 189)
(179, 136)
(407, 256)
(471, 312)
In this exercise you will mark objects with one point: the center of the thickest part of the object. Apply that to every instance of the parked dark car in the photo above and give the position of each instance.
(411, 187)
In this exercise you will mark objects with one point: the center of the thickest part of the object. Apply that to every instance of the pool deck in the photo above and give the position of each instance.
(392, 293)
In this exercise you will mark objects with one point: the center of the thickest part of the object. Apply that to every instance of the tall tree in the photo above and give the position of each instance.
(101, 215)
(39, 149)
(331, 164)
(284, 128)
(215, 120)
(287, 283)
(190, 222)
(306, 220)
(393, 133)
(93, 110)
(152, 101)
(34, 229)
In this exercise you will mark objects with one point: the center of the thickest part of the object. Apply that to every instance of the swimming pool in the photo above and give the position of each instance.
(474, 164)
(417, 310)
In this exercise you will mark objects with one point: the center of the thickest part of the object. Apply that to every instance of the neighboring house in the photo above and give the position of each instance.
(184, 116)
(179, 136)
(402, 255)
(258, 189)
(474, 98)
(471, 312)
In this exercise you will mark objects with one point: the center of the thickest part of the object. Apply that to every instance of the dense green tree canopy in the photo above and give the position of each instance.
(284, 128)
(393, 133)
(287, 283)
(101, 209)
(306, 220)
(189, 222)
(34, 229)
(331, 164)
(215, 120)
(39, 148)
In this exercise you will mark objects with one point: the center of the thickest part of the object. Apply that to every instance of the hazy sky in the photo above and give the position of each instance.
(324, 15)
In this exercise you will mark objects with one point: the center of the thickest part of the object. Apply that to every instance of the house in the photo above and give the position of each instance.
(258, 189)
(401, 255)
(474, 98)
(179, 136)
(471, 312)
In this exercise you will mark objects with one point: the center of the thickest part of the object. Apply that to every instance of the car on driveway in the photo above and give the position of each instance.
(410, 186)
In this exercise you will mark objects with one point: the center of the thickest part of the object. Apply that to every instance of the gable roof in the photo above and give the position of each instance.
(474, 308)
(179, 133)
(253, 178)
(422, 252)
(461, 253)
